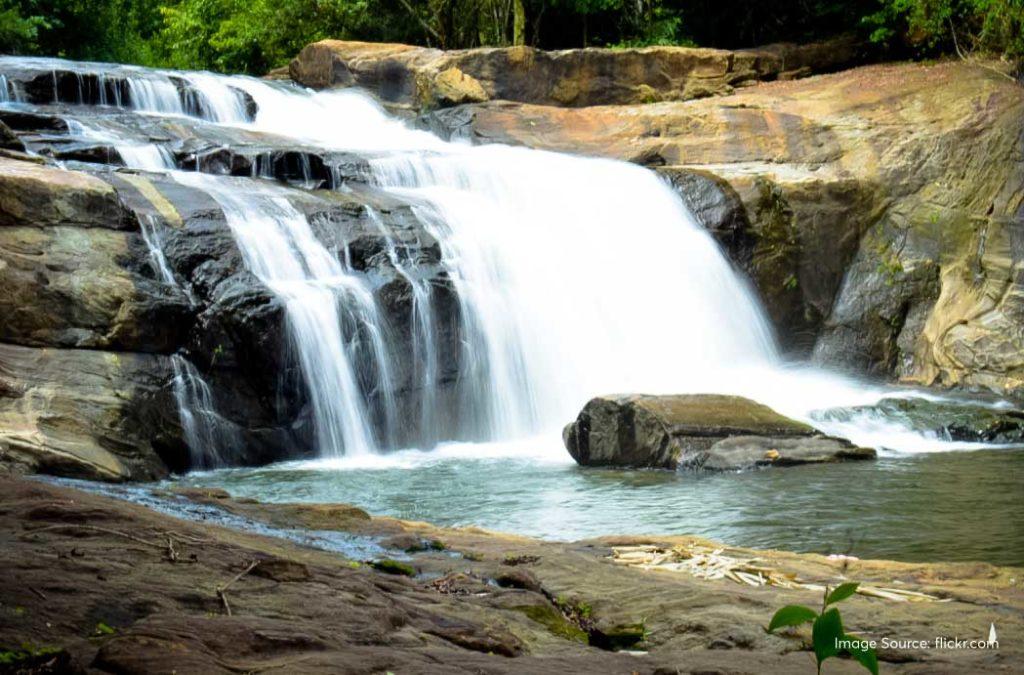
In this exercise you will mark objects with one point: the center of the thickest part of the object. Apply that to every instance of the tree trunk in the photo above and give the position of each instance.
(518, 23)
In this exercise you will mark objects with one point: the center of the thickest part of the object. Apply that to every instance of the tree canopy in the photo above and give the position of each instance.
(256, 35)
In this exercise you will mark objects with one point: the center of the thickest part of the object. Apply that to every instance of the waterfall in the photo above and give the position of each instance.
(424, 336)
(149, 228)
(151, 157)
(329, 310)
(574, 277)
(577, 276)
(212, 440)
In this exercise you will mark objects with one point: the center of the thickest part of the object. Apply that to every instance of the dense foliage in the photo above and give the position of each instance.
(255, 35)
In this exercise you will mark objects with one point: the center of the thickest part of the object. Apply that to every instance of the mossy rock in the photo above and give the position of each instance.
(668, 431)
(389, 566)
(552, 619)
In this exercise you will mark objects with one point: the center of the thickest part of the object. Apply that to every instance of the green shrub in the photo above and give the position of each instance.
(991, 27)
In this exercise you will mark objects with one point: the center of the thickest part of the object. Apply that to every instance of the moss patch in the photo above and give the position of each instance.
(556, 624)
(389, 566)
(619, 637)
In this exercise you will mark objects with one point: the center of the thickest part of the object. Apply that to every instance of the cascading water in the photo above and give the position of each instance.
(566, 295)
(424, 335)
(326, 306)
(574, 276)
(212, 440)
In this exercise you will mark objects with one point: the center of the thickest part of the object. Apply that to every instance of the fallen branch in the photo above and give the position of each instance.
(222, 590)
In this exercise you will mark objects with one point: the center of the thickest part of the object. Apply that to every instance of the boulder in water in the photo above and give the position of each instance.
(699, 431)
(952, 419)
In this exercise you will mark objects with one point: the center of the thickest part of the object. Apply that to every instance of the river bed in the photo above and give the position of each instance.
(951, 506)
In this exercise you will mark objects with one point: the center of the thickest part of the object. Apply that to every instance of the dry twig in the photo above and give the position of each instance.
(704, 562)
(222, 590)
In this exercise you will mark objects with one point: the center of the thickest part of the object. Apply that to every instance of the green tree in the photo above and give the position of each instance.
(18, 34)
(929, 27)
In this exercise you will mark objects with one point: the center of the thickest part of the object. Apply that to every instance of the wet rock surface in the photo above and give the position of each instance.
(78, 270)
(114, 587)
(696, 431)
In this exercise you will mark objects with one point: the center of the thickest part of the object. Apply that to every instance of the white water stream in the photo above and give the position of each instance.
(576, 277)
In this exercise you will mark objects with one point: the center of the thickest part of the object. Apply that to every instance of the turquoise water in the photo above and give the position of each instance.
(964, 505)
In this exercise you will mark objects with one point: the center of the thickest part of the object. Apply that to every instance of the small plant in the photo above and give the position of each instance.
(827, 628)
(102, 629)
(28, 652)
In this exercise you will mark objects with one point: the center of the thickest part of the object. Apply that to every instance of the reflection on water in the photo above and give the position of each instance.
(947, 506)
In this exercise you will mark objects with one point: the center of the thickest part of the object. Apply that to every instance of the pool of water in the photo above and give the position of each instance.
(962, 505)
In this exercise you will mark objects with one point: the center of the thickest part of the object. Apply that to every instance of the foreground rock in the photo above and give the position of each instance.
(424, 78)
(878, 210)
(101, 585)
(696, 431)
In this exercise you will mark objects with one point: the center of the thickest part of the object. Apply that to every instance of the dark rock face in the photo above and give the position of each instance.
(717, 207)
(699, 431)
(47, 85)
(9, 140)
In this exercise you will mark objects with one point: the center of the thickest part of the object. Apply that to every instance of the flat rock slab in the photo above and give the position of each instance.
(747, 452)
(707, 431)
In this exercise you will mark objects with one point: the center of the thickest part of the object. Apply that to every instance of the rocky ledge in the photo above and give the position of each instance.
(423, 78)
(94, 584)
(697, 431)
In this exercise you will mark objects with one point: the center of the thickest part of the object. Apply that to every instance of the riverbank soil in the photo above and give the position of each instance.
(95, 584)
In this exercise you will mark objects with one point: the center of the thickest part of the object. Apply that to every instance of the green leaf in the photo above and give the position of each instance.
(791, 615)
(842, 592)
(826, 630)
(865, 655)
